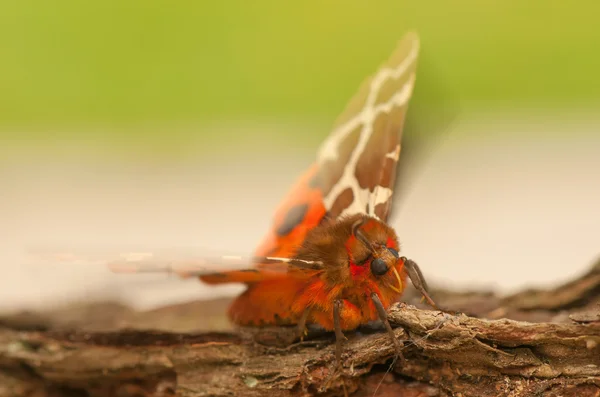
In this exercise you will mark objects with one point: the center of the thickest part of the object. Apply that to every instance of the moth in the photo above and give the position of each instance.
(330, 258)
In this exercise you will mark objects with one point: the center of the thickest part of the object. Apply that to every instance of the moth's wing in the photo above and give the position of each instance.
(300, 211)
(273, 283)
(212, 270)
(356, 165)
(264, 268)
(225, 269)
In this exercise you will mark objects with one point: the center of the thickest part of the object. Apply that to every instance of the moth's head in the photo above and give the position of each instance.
(373, 249)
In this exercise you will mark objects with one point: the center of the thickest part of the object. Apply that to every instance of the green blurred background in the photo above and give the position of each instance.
(157, 74)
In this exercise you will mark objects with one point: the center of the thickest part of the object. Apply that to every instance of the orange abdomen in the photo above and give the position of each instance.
(268, 302)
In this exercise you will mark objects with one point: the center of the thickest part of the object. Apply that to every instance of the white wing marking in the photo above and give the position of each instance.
(395, 154)
(366, 117)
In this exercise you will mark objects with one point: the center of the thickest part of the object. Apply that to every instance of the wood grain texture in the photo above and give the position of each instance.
(535, 343)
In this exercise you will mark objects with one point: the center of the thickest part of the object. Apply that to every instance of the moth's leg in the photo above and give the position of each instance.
(417, 279)
(340, 338)
(384, 319)
(302, 324)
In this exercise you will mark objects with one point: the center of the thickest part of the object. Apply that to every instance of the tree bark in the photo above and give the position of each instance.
(534, 343)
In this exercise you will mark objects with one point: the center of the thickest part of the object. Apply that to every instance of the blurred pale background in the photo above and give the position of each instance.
(182, 124)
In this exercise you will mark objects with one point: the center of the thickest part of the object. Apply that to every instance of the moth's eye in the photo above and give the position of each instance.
(378, 267)
(394, 252)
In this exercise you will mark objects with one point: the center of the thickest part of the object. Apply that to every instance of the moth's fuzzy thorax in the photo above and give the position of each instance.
(346, 260)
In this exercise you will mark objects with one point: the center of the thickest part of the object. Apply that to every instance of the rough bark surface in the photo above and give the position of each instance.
(534, 343)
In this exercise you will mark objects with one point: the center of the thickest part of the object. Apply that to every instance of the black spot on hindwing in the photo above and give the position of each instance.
(292, 219)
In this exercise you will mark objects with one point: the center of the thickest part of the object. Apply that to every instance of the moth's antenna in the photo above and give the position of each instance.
(360, 236)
